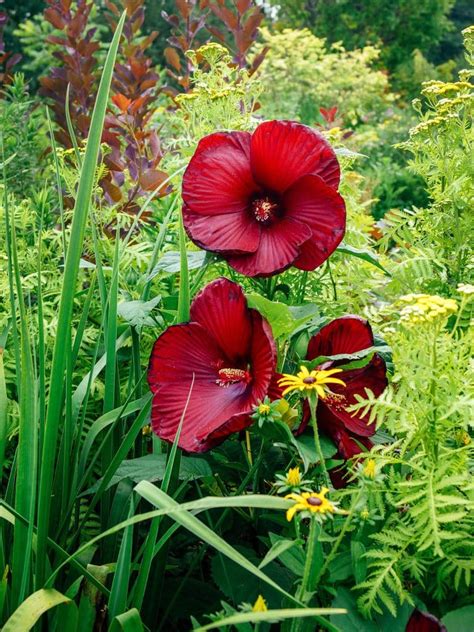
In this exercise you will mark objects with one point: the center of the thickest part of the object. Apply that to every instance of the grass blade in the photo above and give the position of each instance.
(71, 269)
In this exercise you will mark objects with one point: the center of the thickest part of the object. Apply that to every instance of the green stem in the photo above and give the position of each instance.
(339, 540)
(313, 402)
(305, 591)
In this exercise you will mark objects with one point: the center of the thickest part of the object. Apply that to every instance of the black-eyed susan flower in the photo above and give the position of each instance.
(307, 381)
(312, 503)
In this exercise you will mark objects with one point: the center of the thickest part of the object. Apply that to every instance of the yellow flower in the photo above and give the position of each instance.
(364, 514)
(293, 478)
(308, 381)
(310, 501)
(263, 409)
(146, 430)
(260, 605)
(369, 468)
(425, 308)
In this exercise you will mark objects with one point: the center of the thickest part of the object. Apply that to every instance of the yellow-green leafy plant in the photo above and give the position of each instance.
(302, 73)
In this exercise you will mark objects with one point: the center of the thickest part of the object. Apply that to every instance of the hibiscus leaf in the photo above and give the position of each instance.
(284, 320)
(138, 313)
(170, 262)
(152, 468)
(365, 255)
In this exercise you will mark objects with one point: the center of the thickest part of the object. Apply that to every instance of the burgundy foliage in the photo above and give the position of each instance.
(223, 360)
(8, 60)
(265, 201)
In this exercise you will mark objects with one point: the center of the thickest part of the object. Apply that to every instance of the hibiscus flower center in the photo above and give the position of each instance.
(264, 209)
(232, 376)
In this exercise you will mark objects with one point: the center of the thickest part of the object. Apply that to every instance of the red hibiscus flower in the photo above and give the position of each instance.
(349, 431)
(223, 360)
(267, 200)
(424, 622)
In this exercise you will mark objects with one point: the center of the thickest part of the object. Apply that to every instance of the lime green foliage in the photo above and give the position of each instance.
(425, 508)
(302, 73)
(222, 98)
(441, 147)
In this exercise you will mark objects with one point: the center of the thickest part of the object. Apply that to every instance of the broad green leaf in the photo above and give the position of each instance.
(284, 320)
(29, 612)
(170, 262)
(152, 468)
(460, 620)
(273, 616)
(138, 313)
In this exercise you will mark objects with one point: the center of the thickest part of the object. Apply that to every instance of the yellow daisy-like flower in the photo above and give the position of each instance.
(260, 605)
(310, 501)
(293, 478)
(369, 468)
(308, 381)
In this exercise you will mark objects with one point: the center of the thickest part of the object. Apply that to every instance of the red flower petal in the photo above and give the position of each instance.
(279, 246)
(316, 204)
(218, 178)
(347, 334)
(186, 361)
(284, 151)
(234, 233)
(424, 622)
(181, 352)
(221, 308)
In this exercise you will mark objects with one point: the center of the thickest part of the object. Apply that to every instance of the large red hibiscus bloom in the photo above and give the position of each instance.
(267, 200)
(349, 431)
(223, 360)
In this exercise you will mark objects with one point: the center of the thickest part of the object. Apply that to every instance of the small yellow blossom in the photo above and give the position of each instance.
(308, 381)
(146, 430)
(425, 308)
(263, 409)
(310, 501)
(369, 468)
(364, 514)
(260, 605)
(466, 289)
(293, 478)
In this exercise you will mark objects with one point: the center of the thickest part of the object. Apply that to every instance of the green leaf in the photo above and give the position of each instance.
(158, 498)
(129, 621)
(272, 616)
(292, 558)
(277, 549)
(29, 612)
(152, 468)
(460, 620)
(63, 333)
(284, 320)
(365, 255)
(170, 262)
(138, 313)
(359, 561)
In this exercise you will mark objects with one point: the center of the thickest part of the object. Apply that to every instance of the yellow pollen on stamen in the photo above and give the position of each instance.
(232, 376)
(263, 209)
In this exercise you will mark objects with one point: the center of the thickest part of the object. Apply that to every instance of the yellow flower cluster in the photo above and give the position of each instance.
(465, 288)
(425, 308)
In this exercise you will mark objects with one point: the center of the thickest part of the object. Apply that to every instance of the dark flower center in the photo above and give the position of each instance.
(232, 376)
(309, 380)
(264, 209)
(315, 502)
